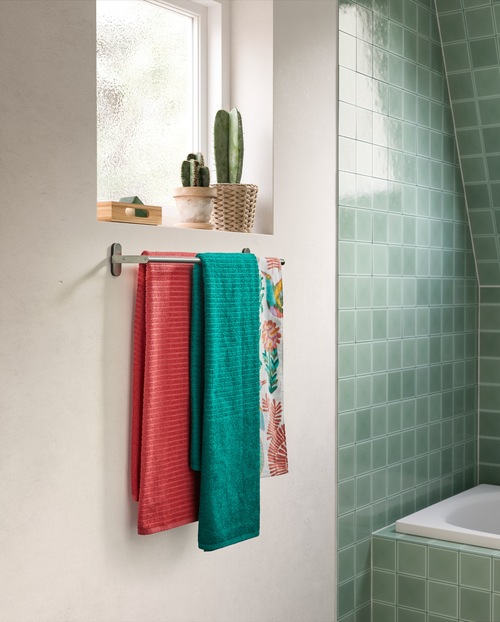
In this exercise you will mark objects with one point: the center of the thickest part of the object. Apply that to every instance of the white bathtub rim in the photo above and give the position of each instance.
(418, 523)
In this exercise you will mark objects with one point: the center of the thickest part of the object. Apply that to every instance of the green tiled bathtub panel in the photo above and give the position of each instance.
(419, 579)
(407, 287)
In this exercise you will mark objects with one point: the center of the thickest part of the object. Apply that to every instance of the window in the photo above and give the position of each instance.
(151, 104)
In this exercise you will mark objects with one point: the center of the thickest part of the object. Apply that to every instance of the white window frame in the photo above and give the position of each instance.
(211, 40)
(211, 64)
(198, 13)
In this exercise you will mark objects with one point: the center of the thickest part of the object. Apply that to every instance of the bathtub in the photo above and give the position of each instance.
(471, 517)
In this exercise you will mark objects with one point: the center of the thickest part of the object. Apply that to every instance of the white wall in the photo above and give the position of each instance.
(251, 71)
(69, 551)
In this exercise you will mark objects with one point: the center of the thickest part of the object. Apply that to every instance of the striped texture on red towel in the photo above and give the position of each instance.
(162, 482)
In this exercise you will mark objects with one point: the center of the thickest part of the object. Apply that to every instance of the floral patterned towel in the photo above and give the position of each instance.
(273, 453)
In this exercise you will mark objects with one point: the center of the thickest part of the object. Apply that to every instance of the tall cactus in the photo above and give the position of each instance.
(194, 172)
(228, 146)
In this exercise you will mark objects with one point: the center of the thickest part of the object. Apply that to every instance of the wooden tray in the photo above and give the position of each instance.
(113, 211)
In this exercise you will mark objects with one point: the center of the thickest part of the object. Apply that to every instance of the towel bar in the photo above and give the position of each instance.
(117, 259)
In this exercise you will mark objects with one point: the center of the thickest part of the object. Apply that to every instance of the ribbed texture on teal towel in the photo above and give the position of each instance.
(225, 397)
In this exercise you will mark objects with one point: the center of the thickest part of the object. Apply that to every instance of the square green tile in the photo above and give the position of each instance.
(461, 87)
(487, 83)
(411, 592)
(412, 559)
(475, 571)
(488, 110)
(456, 57)
(443, 599)
(473, 169)
(384, 586)
(490, 319)
(469, 142)
(478, 195)
(474, 605)
(488, 447)
(484, 52)
(443, 565)
(481, 222)
(466, 114)
(384, 554)
(452, 27)
(479, 22)
(489, 273)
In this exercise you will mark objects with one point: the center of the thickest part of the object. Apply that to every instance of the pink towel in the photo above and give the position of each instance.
(162, 482)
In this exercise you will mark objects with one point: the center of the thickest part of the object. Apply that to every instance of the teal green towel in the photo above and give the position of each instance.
(225, 415)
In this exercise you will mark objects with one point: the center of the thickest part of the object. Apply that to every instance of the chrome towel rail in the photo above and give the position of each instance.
(117, 259)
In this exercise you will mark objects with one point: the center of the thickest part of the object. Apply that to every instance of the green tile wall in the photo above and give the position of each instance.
(470, 33)
(423, 580)
(407, 318)
(489, 387)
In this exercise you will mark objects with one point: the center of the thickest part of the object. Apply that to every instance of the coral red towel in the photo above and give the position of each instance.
(162, 482)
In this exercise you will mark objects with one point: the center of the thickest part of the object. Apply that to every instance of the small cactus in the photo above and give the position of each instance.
(194, 172)
(228, 146)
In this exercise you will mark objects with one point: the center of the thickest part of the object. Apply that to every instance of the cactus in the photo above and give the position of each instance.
(228, 146)
(194, 172)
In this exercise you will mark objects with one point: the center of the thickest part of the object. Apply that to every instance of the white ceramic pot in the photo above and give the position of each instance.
(195, 205)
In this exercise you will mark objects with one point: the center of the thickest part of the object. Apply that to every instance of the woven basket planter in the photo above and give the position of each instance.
(234, 207)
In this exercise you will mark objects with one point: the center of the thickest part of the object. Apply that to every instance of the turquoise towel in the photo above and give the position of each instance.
(225, 397)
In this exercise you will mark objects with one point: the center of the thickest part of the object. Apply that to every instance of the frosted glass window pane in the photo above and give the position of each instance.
(144, 99)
